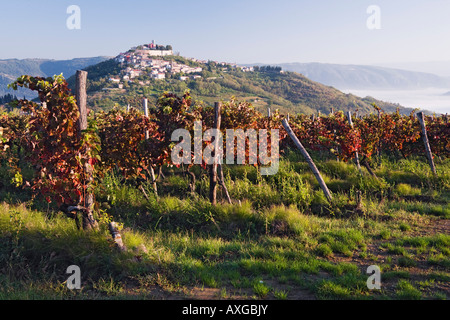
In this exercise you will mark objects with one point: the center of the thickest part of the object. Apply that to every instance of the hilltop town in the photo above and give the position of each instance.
(153, 61)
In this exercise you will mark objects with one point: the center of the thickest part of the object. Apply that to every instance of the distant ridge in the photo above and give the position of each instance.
(10, 69)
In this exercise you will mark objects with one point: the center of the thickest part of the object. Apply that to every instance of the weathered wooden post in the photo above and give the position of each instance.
(217, 169)
(81, 97)
(213, 168)
(309, 160)
(421, 118)
(147, 136)
(349, 115)
(88, 220)
(146, 115)
(117, 237)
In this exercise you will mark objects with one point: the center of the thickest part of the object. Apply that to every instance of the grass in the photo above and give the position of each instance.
(281, 294)
(278, 237)
(404, 189)
(406, 291)
(261, 289)
(331, 290)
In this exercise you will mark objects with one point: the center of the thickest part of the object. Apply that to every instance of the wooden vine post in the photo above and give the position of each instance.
(309, 160)
(81, 97)
(349, 116)
(116, 236)
(421, 118)
(213, 168)
(88, 220)
(216, 172)
(147, 136)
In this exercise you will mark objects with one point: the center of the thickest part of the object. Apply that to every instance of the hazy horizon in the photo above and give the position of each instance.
(431, 99)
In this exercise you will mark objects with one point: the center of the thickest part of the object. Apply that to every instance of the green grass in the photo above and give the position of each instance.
(261, 289)
(279, 236)
(330, 290)
(406, 262)
(406, 291)
(281, 294)
(404, 189)
(440, 210)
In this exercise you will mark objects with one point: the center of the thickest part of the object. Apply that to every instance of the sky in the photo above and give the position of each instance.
(240, 31)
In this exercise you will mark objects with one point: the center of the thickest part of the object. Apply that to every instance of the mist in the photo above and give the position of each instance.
(431, 99)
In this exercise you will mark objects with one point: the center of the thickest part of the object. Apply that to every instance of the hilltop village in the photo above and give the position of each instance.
(152, 60)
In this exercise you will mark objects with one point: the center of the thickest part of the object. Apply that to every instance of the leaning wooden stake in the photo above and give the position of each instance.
(365, 163)
(421, 118)
(81, 98)
(349, 115)
(222, 183)
(309, 160)
(213, 168)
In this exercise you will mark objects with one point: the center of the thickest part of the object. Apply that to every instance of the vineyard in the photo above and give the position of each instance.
(118, 170)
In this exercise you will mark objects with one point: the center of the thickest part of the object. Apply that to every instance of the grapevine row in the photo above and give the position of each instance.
(48, 137)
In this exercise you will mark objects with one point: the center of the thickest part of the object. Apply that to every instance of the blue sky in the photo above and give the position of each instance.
(244, 31)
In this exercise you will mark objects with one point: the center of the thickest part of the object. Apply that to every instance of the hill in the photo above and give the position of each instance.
(117, 82)
(10, 69)
(366, 77)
